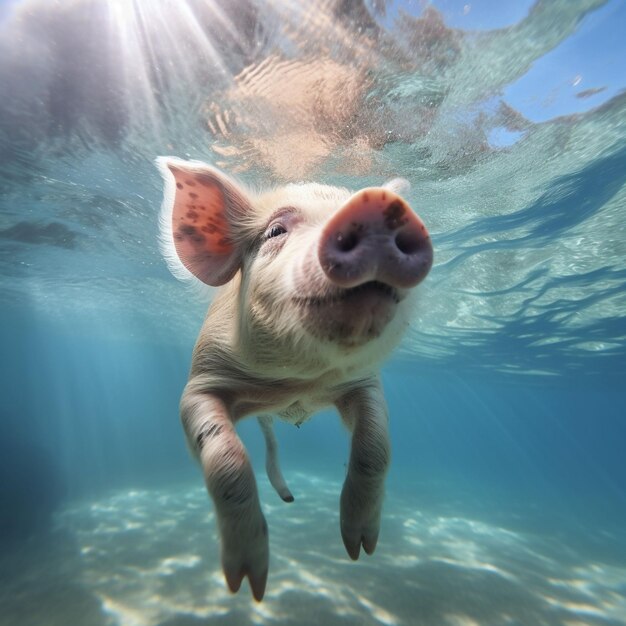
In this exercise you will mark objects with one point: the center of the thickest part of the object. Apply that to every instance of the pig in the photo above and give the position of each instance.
(315, 290)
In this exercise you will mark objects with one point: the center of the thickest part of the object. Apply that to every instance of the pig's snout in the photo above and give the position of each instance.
(375, 236)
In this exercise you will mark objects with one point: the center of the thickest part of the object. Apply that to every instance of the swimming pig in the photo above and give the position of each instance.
(316, 290)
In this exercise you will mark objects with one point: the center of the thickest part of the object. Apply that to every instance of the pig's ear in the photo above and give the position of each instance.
(200, 207)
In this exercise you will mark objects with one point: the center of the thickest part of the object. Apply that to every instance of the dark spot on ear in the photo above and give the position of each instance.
(187, 229)
(383, 196)
(209, 228)
(224, 241)
(190, 182)
(192, 215)
(394, 215)
(193, 195)
(366, 197)
(179, 185)
(191, 232)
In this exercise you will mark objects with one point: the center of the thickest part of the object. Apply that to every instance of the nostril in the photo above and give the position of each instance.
(347, 242)
(408, 242)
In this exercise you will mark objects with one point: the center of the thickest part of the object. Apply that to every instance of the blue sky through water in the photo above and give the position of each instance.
(586, 70)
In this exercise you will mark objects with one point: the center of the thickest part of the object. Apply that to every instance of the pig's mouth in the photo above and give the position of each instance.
(372, 289)
(350, 317)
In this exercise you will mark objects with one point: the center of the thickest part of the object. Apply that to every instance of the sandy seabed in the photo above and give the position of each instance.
(150, 558)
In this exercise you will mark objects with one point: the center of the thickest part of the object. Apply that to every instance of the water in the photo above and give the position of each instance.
(506, 501)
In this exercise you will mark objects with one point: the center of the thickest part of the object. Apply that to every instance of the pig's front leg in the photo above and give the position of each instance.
(364, 412)
(230, 481)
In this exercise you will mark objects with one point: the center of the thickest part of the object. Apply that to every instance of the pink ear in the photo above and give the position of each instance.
(204, 204)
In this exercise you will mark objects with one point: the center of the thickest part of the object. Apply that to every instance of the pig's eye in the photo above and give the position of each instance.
(275, 230)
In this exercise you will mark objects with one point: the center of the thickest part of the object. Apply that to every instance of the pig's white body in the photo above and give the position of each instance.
(290, 331)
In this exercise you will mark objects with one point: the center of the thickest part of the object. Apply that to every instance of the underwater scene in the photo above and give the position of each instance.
(505, 494)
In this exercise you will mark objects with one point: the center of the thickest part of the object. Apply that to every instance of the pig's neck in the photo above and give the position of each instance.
(248, 388)
(290, 374)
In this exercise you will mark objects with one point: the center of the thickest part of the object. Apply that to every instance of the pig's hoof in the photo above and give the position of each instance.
(257, 577)
(355, 537)
(246, 554)
(360, 524)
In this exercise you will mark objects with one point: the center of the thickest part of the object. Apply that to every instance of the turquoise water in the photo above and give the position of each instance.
(506, 500)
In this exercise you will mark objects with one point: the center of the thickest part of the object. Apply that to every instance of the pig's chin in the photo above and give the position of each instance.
(350, 317)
